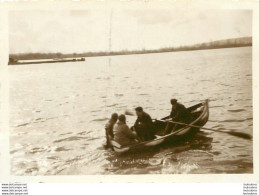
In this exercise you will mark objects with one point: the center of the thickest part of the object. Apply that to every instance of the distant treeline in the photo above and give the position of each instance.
(227, 43)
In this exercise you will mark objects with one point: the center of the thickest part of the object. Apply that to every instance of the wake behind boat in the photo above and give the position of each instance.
(200, 116)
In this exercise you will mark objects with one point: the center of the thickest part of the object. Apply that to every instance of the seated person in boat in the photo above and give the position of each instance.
(178, 114)
(109, 128)
(143, 125)
(122, 133)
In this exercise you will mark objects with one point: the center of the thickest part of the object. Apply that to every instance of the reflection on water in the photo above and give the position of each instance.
(153, 160)
(58, 112)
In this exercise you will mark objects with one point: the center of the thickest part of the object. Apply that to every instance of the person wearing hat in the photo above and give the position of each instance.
(143, 125)
(122, 133)
(179, 113)
(109, 128)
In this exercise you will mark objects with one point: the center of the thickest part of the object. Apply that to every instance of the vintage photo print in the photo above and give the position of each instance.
(128, 91)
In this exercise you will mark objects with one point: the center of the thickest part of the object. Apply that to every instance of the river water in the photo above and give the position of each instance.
(58, 111)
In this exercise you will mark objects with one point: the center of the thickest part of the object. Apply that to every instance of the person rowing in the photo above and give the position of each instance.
(109, 129)
(122, 133)
(179, 113)
(143, 125)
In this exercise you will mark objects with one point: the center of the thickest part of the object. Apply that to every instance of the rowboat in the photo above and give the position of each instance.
(200, 116)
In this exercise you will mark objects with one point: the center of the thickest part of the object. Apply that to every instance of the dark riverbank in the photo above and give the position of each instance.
(16, 59)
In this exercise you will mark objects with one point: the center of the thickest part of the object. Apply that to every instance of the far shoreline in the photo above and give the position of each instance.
(64, 60)
(168, 51)
(39, 58)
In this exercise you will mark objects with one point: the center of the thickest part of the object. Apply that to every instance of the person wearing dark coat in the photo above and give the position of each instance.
(143, 125)
(179, 113)
(109, 128)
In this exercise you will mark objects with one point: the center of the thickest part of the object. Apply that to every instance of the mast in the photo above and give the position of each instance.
(110, 36)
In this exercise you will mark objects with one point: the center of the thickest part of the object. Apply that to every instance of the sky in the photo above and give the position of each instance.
(78, 31)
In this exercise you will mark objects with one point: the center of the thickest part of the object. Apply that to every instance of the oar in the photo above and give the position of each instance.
(230, 132)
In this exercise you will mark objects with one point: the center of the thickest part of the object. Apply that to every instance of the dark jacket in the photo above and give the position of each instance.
(145, 120)
(180, 113)
(144, 127)
(122, 134)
